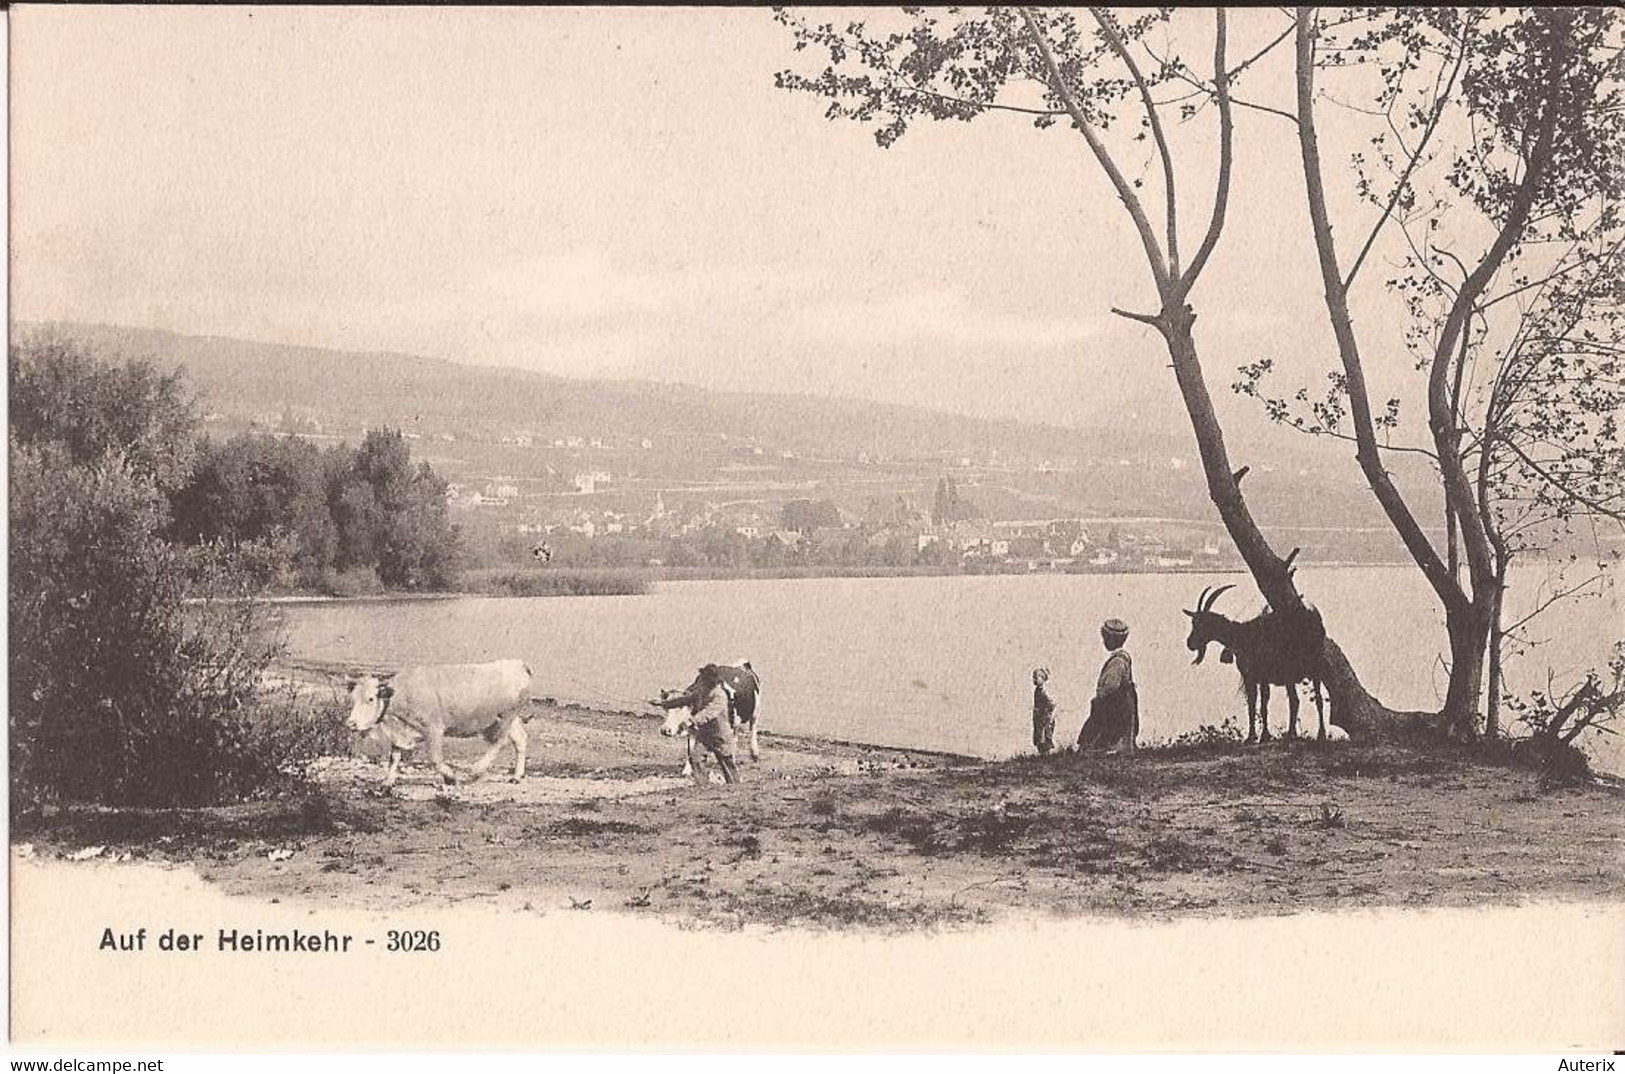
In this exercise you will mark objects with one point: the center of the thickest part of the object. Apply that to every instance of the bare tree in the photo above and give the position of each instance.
(1504, 132)
(1547, 455)
(1053, 67)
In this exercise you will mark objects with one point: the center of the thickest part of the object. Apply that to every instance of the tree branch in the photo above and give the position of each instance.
(1221, 194)
(1557, 595)
(1393, 503)
(1403, 182)
(1159, 266)
(1109, 31)
(1144, 318)
(1446, 436)
(1600, 507)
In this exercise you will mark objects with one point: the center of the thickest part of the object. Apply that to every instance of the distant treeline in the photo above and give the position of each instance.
(346, 519)
(342, 519)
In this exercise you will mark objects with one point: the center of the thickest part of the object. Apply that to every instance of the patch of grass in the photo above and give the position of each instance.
(917, 831)
(749, 846)
(993, 832)
(584, 826)
(1207, 740)
(313, 813)
(1331, 815)
(1560, 764)
(806, 908)
(555, 582)
(1376, 765)
(1170, 853)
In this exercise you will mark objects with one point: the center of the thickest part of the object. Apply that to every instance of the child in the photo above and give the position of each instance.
(1043, 713)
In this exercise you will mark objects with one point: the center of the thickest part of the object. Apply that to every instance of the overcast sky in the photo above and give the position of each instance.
(615, 193)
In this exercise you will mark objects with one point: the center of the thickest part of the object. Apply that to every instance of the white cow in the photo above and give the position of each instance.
(432, 701)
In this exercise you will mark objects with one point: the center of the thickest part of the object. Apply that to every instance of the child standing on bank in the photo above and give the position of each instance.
(1043, 713)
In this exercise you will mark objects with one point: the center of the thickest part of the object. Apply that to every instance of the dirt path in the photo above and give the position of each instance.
(828, 834)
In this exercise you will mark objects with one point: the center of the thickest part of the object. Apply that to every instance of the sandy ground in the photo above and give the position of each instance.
(826, 835)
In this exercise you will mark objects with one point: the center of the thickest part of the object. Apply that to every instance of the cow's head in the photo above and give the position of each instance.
(1205, 622)
(678, 720)
(369, 700)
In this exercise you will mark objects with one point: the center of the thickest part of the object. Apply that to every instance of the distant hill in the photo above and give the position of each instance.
(350, 390)
(1138, 462)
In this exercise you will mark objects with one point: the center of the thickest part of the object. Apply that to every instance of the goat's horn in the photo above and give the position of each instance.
(1199, 605)
(1217, 593)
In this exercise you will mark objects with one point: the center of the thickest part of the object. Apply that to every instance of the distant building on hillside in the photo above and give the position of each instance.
(589, 483)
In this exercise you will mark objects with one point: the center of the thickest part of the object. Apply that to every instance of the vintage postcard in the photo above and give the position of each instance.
(1018, 529)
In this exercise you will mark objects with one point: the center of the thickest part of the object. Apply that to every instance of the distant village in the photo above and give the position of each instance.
(723, 502)
(820, 533)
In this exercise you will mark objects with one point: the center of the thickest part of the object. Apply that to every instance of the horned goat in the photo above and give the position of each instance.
(1282, 648)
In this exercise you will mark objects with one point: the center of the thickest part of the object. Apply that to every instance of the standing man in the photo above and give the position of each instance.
(1114, 714)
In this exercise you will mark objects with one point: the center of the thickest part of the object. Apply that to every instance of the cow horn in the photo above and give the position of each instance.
(1217, 593)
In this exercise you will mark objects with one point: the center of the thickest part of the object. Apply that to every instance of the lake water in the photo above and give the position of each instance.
(935, 663)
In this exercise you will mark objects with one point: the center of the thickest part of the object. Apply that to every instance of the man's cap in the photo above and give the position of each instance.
(1114, 626)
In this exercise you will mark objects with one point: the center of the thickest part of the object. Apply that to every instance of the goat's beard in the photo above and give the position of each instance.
(1200, 653)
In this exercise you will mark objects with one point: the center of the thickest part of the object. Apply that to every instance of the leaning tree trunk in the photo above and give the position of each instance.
(1353, 708)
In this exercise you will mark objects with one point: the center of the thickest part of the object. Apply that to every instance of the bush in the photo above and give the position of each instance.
(122, 692)
(136, 664)
(352, 582)
(1556, 721)
(1227, 733)
(62, 393)
(291, 731)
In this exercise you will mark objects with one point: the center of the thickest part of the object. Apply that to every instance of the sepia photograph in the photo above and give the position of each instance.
(747, 529)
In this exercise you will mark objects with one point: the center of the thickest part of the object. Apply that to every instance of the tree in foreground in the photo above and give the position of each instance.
(121, 691)
(1537, 85)
(1500, 168)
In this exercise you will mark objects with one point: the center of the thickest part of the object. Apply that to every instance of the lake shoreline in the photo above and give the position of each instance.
(650, 577)
(829, 835)
(660, 575)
